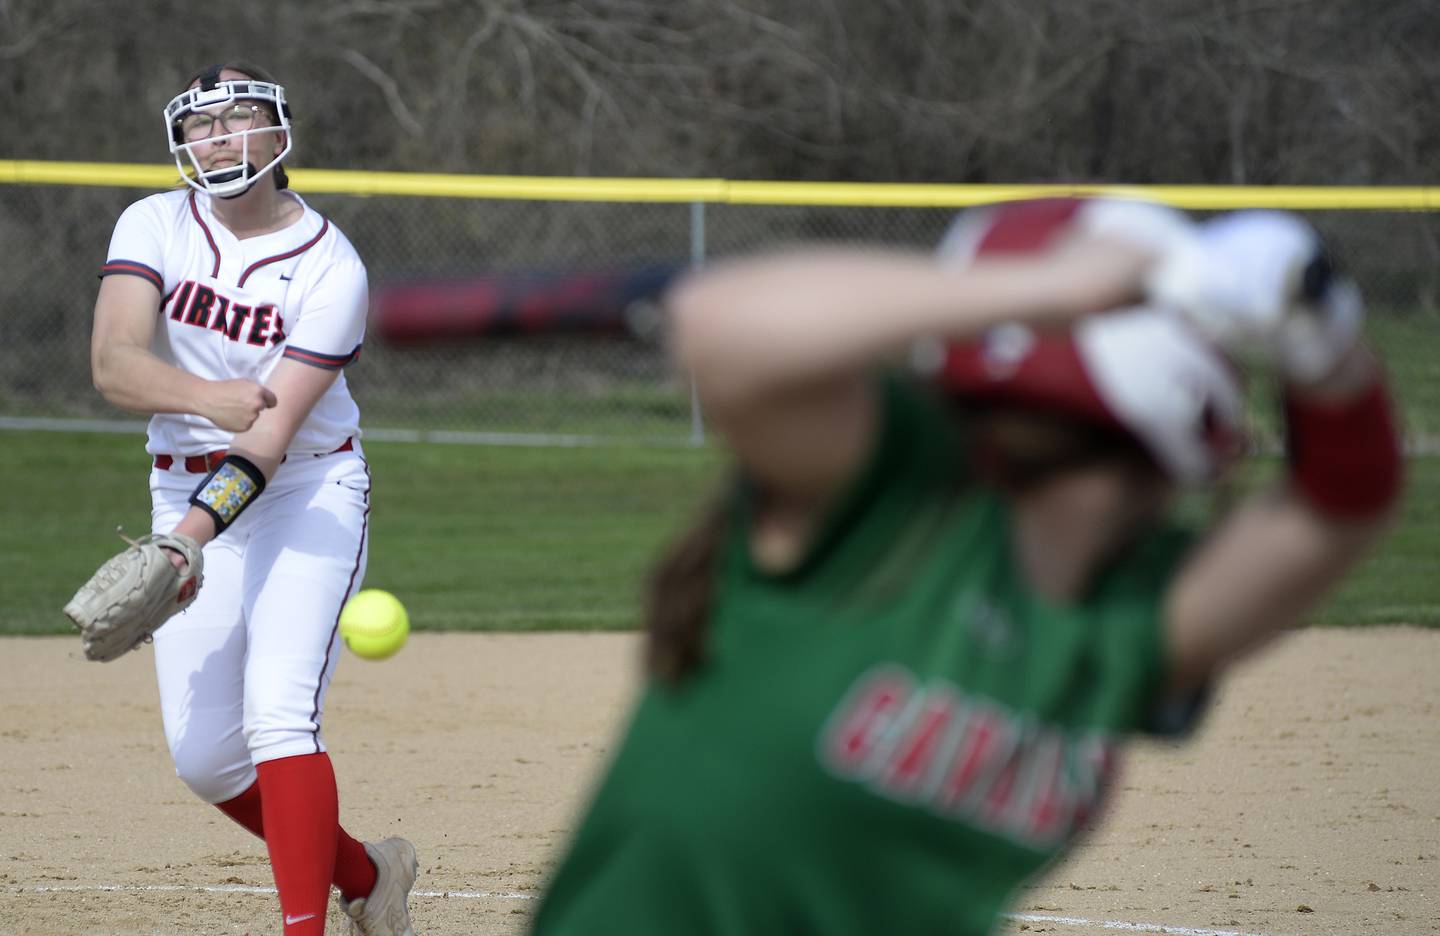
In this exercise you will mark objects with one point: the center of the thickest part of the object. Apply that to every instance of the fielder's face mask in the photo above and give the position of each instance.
(231, 110)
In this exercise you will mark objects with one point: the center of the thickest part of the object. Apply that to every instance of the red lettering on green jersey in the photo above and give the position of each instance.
(964, 758)
(870, 711)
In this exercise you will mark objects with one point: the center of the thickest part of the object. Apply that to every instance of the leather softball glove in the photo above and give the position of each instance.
(133, 593)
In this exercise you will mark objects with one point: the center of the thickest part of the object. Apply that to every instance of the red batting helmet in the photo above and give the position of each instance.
(1139, 370)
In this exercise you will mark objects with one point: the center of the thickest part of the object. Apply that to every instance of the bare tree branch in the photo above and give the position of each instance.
(387, 85)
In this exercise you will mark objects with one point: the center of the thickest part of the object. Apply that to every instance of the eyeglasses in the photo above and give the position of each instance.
(199, 126)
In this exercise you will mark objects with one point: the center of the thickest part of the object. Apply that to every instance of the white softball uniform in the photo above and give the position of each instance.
(244, 670)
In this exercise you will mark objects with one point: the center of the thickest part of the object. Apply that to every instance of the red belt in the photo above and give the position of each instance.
(204, 464)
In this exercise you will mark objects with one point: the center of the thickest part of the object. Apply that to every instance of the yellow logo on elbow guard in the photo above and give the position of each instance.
(228, 492)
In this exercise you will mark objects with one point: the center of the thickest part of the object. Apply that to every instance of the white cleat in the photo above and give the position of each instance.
(385, 912)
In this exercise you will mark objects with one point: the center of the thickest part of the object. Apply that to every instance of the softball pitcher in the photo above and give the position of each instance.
(228, 309)
(891, 668)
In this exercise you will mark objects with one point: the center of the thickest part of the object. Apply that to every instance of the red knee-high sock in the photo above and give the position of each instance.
(300, 811)
(354, 872)
(245, 809)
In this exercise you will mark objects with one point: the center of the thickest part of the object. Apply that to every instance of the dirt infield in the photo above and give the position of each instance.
(1308, 804)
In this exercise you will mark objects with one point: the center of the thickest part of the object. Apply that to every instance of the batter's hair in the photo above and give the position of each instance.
(1018, 448)
(681, 592)
(282, 181)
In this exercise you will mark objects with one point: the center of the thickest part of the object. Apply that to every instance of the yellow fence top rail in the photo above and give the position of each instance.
(726, 191)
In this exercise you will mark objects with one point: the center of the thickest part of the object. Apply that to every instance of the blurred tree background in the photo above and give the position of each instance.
(1298, 92)
(1162, 91)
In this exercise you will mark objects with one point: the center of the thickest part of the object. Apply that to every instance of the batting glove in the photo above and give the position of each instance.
(1262, 279)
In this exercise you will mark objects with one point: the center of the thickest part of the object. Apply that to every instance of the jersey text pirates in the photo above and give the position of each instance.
(233, 308)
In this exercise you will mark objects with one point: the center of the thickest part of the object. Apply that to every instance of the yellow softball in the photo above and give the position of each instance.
(374, 624)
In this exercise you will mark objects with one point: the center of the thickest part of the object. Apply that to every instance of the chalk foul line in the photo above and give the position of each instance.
(1163, 929)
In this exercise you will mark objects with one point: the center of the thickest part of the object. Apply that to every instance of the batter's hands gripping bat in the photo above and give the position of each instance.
(133, 593)
(1263, 279)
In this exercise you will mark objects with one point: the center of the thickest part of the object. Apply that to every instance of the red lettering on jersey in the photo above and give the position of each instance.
(237, 309)
(974, 751)
(217, 321)
(181, 298)
(998, 791)
(202, 306)
(260, 325)
(858, 725)
(966, 758)
(913, 758)
(1048, 800)
(237, 322)
(199, 311)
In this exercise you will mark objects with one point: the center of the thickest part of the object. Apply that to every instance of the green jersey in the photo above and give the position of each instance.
(889, 738)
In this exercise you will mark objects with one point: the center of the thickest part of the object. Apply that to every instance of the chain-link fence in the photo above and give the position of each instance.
(565, 385)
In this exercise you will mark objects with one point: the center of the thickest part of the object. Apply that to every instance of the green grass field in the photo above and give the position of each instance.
(484, 538)
(499, 538)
